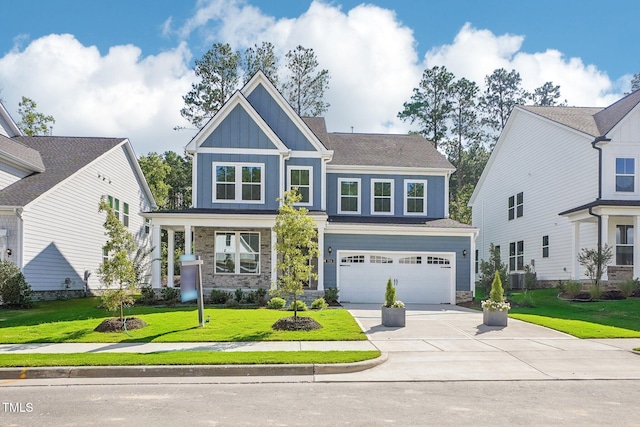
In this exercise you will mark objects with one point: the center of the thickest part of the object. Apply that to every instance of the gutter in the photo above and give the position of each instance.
(599, 217)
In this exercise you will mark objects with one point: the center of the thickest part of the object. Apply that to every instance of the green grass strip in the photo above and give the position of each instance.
(184, 358)
(577, 328)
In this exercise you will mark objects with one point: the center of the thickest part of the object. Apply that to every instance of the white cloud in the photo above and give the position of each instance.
(120, 94)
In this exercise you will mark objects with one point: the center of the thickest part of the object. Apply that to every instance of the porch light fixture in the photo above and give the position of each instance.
(9, 252)
(329, 249)
(464, 253)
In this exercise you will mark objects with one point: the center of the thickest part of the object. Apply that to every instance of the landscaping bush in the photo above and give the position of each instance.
(331, 295)
(219, 296)
(319, 304)
(14, 289)
(276, 303)
(147, 295)
(595, 291)
(298, 306)
(239, 295)
(250, 297)
(170, 295)
(572, 288)
(628, 287)
(261, 297)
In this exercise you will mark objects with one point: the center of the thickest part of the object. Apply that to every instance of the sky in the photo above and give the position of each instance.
(119, 68)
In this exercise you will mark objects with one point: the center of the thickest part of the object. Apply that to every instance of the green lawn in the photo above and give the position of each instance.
(603, 319)
(74, 321)
(185, 358)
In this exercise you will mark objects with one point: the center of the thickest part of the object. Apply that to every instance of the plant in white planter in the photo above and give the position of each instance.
(393, 311)
(495, 309)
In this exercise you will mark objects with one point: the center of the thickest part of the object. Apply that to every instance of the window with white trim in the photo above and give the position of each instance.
(516, 206)
(239, 183)
(437, 260)
(516, 256)
(410, 260)
(625, 174)
(349, 195)
(382, 196)
(415, 197)
(624, 244)
(545, 246)
(353, 259)
(379, 259)
(237, 252)
(122, 215)
(301, 177)
(125, 214)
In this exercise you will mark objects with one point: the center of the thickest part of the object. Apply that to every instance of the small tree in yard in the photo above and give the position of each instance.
(296, 246)
(595, 262)
(117, 272)
(488, 268)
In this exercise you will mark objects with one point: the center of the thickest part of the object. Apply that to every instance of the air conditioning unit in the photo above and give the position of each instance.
(516, 280)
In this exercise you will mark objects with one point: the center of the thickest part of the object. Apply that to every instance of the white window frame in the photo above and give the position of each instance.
(238, 182)
(359, 201)
(289, 186)
(236, 258)
(373, 196)
(633, 175)
(406, 198)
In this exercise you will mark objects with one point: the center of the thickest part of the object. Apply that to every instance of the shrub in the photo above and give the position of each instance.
(628, 287)
(14, 289)
(276, 303)
(496, 300)
(250, 297)
(170, 295)
(232, 303)
(572, 288)
(219, 296)
(331, 295)
(319, 304)
(298, 306)
(239, 295)
(389, 294)
(595, 291)
(148, 296)
(261, 296)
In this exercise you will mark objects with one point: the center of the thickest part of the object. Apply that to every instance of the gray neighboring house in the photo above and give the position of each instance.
(50, 187)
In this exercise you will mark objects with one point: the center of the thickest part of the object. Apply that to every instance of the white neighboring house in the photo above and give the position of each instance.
(561, 179)
(50, 188)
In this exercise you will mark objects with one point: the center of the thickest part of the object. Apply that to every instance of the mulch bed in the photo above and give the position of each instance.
(117, 325)
(301, 324)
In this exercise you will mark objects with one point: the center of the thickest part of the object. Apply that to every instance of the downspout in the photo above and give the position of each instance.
(599, 217)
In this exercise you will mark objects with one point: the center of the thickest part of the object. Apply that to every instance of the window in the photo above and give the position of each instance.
(302, 178)
(624, 245)
(437, 260)
(411, 260)
(238, 183)
(516, 256)
(379, 259)
(237, 253)
(476, 261)
(114, 204)
(625, 175)
(516, 206)
(147, 226)
(415, 197)
(545, 246)
(349, 196)
(125, 214)
(382, 196)
(353, 259)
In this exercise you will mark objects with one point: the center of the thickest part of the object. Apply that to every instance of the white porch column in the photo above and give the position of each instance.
(156, 264)
(170, 258)
(274, 259)
(575, 248)
(636, 248)
(605, 240)
(472, 266)
(187, 240)
(320, 259)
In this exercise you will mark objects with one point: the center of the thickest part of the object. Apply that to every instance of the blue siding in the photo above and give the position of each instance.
(341, 242)
(435, 193)
(270, 180)
(317, 178)
(238, 130)
(278, 120)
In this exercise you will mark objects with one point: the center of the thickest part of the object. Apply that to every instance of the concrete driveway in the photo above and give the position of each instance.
(443, 342)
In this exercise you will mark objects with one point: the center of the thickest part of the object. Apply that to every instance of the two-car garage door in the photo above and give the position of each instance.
(424, 277)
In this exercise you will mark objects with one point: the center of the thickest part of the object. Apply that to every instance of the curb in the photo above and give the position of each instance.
(187, 370)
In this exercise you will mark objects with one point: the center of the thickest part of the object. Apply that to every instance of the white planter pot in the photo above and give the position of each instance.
(393, 317)
(494, 318)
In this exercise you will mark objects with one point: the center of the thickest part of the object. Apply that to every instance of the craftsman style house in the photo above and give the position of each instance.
(561, 179)
(380, 203)
(50, 188)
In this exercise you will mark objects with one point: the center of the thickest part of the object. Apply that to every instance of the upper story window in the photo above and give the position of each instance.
(382, 196)
(516, 206)
(545, 246)
(516, 256)
(242, 183)
(123, 214)
(302, 178)
(349, 195)
(415, 197)
(625, 174)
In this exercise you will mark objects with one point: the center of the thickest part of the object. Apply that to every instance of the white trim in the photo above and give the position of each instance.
(323, 185)
(397, 229)
(359, 196)
(424, 198)
(194, 180)
(238, 182)
(388, 170)
(375, 181)
(244, 151)
(237, 259)
(291, 168)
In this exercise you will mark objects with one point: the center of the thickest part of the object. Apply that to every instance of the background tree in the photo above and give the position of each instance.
(179, 180)
(489, 268)
(32, 122)
(296, 246)
(219, 77)
(635, 82)
(546, 95)
(155, 171)
(431, 104)
(305, 86)
(503, 92)
(260, 58)
(117, 271)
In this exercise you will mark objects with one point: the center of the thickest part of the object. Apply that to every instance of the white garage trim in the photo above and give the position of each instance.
(375, 278)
